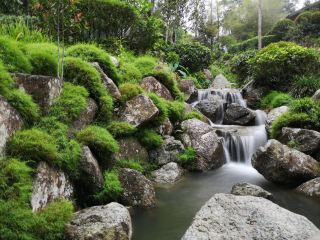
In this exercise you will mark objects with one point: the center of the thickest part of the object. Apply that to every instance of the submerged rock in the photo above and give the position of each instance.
(238, 115)
(49, 185)
(247, 189)
(138, 191)
(274, 114)
(150, 84)
(10, 121)
(206, 143)
(130, 148)
(109, 222)
(280, 164)
(231, 217)
(212, 107)
(168, 174)
(189, 89)
(310, 188)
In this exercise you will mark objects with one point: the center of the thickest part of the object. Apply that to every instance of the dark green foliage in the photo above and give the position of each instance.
(282, 28)
(162, 106)
(176, 111)
(145, 64)
(130, 73)
(202, 80)
(132, 164)
(305, 86)
(121, 129)
(112, 187)
(92, 53)
(71, 103)
(12, 57)
(276, 99)
(252, 44)
(129, 91)
(188, 158)
(149, 139)
(309, 23)
(43, 62)
(172, 57)
(239, 64)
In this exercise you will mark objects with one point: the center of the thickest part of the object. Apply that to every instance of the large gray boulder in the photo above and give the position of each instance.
(220, 82)
(211, 107)
(206, 143)
(247, 189)
(139, 111)
(130, 148)
(109, 222)
(150, 84)
(138, 191)
(304, 140)
(168, 152)
(238, 115)
(49, 185)
(311, 188)
(274, 114)
(108, 82)
(166, 128)
(189, 89)
(10, 121)
(253, 94)
(280, 164)
(43, 89)
(231, 217)
(316, 95)
(168, 174)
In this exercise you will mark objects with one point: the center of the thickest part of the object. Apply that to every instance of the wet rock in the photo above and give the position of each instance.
(238, 115)
(280, 164)
(150, 84)
(43, 89)
(108, 83)
(253, 94)
(247, 189)
(189, 89)
(10, 121)
(139, 111)
(206, 143)
(168, 152)
(316, 95)
(109, 222)
(130, 148)
(138, 191)
(304, 140)
(168, 174)
(91, 175)
(49, 185)
(220, 82)
(310, 188)
(166, 128)
(212, 107)
(231, 217)
(274, 114)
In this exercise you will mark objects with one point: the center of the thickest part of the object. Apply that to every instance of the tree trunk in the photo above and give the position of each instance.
(260, 24)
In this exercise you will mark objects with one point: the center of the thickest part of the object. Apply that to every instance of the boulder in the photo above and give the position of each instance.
(10, 121)
(138, 191)
(310, 188)
(43, 89)
(49, 184)
(91, 175)
(231, 217)
(109, 222)
(208, 74)
(247, 189)
(189, 89)
(280, 164)
(139, 111)
(150, 84)
(253, 94)
(316, 95)
(108, 83)
(168, 174)
(238, 115)
(206, 143)
(220, 82)
(115, 61)
(274, 114)
(211, 107)
(304, 140)
(166, 128)
(130, 148)
(168, 152)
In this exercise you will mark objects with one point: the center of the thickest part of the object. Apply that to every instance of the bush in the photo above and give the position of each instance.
(284, 60)
(71, 103)
(239, 64)
(121, 129)
(112, 189)
(282, 28)
(162, 106)
(12, 57)
(132, 164)
(176, 111)
(172, 57)
(308, 23)
(275, 99)
(34, 145)
(43, 63)
(45, 47)
(129, 91)
(149, 139)
(194, 114)
(252, 44)
(145, 64)
(305, 86)
(130, 73)
(188, 158)
(92, 53)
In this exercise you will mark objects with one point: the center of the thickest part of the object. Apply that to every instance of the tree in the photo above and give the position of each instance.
(259, 24)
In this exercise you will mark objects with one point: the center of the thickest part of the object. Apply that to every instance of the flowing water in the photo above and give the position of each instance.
(177, 205)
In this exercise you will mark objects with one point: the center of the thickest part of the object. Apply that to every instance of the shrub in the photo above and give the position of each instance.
(92, 53)
(145, 64)
(188, 158)
(282, 28)
(12, 57)
(162, 106)
(71, 103)
(284, 60)
(305, 85)
(43, 63)
(172, 57)
(239, 64)
(45, 47)
(6, 81)
(112, 187)
(128, 163)
(194, 114)
(308, 23)
(34, 145)
(252, 43)
(149, 139)
(130, 73)
(202, 80)
(275, 99)
(129, 91)
(176, 111)
(121, 129)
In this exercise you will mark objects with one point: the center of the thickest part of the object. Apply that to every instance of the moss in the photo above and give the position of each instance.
(162, 105)
(276, 99)
(132, 164)
(121, 129)
(149, 139)
(112, 187)
(129, 91)
(71, 103)
(194, 114)
(145, 64)
(92, 53)
(129, 73)
(176, 111)
(43, 63)
(188, 158)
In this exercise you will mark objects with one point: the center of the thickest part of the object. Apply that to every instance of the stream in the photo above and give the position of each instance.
(178, 204)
